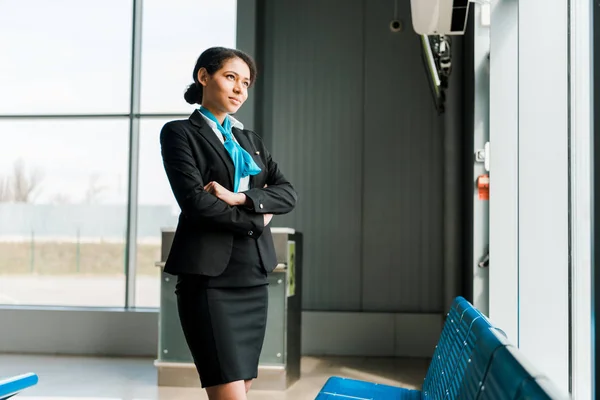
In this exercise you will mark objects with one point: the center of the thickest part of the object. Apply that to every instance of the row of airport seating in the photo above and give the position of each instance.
(472, 360)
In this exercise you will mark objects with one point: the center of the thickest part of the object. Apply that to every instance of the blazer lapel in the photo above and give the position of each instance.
(207, 132)
(246, 145)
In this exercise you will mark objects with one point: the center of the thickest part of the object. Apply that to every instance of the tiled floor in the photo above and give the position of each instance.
(86, 378)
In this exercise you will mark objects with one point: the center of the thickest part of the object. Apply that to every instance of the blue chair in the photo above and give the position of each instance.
(442, 370)
(442, 349)
(508, 371)
(472, 343)
(337, 388)
(473, 360)
(489, 339)
(445, 375)
(12, 386)
(539, 388)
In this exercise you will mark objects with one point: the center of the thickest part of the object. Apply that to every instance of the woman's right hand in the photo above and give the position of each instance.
(268, 218)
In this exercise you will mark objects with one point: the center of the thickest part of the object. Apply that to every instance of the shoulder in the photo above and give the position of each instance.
(177, 125)
(175, 128)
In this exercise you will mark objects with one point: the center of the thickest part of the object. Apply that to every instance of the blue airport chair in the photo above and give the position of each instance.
(448, 370)
(442, 370)
(473, 360)
(488, 340)
(508, 371)
(337, 388)
(12, 386)
(443, 348)
(539, 388)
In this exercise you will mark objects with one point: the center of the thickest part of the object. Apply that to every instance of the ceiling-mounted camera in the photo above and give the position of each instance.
(396, 25)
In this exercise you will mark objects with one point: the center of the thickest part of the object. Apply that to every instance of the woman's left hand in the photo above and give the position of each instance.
(231, 198)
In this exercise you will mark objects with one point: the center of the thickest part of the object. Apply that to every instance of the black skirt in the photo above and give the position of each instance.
(224, 318)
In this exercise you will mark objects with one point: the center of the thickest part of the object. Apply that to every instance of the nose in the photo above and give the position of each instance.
(237, 88)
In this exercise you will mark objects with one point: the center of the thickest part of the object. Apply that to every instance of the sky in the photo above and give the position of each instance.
(72, 57)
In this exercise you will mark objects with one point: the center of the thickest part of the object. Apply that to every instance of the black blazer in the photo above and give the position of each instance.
(193, 156)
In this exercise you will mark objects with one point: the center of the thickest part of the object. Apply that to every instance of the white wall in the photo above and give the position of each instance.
(582, 197)
(532, 125)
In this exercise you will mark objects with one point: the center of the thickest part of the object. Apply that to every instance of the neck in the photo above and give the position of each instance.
(220, 116)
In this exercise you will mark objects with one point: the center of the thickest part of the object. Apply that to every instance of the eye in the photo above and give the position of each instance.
(231, 76)
(246, 84)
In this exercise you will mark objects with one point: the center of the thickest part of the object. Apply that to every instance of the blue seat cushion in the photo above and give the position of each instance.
(337, 388)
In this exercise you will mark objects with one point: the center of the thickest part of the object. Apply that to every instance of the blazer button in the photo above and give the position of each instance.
(261, 206)
(250, 233)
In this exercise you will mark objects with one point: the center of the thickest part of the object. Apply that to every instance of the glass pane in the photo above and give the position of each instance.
(65, 56)
(63, 197)
(174, 34)
(157, 210)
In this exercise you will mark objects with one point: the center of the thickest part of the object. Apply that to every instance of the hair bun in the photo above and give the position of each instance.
(193, 94)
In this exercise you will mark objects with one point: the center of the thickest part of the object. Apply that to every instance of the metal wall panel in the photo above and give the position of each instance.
(317, 124)
(403, 169)
(504, 166)
(544, 251)
(351, 122)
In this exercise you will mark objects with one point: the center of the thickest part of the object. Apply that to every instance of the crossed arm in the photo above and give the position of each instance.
(211, 203)
(276, 197)
(233, 199)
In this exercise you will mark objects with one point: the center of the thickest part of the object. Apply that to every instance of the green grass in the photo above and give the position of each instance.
(47, 258)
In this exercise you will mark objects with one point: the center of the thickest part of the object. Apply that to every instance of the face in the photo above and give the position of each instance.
(227, 89)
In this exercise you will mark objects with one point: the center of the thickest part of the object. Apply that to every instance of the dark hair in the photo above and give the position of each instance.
(213, 59)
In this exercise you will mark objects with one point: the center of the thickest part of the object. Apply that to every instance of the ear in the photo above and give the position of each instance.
(203, 76)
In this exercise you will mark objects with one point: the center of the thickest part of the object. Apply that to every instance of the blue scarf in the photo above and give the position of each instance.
(242, 161)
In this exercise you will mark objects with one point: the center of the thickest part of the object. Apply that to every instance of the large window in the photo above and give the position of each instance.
(174, 34)
(63, 207)
(157, 210)
(65, 56)
(66, 128)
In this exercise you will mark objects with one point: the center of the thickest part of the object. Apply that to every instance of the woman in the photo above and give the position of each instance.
(228, 188)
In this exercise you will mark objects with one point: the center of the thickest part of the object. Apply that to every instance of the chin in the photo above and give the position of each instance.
(233, 110)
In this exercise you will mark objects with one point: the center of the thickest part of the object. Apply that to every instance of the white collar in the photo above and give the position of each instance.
(234, 122)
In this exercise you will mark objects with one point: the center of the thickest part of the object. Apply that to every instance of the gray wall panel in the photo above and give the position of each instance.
(97, 331)
(403, 203)
(349, 117)
(317, 138)
(457, 136)
(104, 332)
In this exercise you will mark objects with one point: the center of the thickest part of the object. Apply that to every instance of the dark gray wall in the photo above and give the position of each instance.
(349, 117)
(317, 135)
(403, 171)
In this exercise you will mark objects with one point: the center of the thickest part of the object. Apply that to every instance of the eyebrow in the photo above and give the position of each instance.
(236, 74)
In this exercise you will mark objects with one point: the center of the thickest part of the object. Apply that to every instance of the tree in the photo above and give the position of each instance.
(5, 195)
(92, 194)
(24, 185)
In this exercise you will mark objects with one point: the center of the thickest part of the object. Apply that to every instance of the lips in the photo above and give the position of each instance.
(235, 101)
